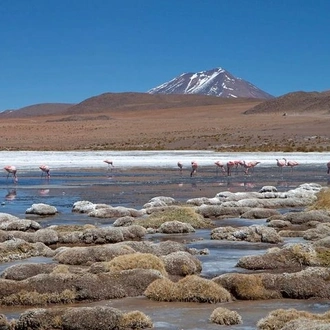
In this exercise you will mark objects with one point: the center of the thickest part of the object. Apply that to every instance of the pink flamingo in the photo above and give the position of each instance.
(194, 167)
(250, 165)
(281, 163)
(233, 163)
(180, 166)
(291, 163)
(328, 165)
(45, 169)
(109, 162)
(13, 171)
(220, 165)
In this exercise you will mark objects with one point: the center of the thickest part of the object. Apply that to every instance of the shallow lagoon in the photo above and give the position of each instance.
(136, 178)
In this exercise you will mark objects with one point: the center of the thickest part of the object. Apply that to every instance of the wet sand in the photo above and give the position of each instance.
(135, 187)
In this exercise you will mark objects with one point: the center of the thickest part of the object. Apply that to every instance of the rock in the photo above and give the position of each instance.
(89, 255)
(41, 209)
(199, 201)
(124, 221)
(252, 233)
(305, 217)
(159, 201)
(182, 263)
(220, 211)
(107, 211)
(176, 227)
(279, 224)
(322, 230)
(289, 257)
(10, 222)
(17, 249)
(259, 213)
(83, 207)
(21, 272)
(268, 189)
(46, 236)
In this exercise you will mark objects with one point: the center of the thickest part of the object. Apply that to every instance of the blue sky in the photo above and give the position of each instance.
(70, 50)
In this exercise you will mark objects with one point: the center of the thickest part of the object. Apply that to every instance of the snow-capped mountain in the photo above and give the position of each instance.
(215, 82)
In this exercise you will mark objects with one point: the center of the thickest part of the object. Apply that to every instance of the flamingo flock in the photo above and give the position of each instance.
(12, 170)
(225, 168)
(284, 162)
(248, 167)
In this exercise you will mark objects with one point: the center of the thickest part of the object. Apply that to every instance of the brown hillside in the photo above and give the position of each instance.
(173, 122)
(295, 102)
(115, 102)
(41, 109)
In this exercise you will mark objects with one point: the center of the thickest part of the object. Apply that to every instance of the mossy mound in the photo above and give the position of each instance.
(183, 214)
(137, 260)
(191, 288)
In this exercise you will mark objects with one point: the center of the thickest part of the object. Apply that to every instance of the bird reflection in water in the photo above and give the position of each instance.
(11, 195)
(282, 184)
(229, 184)
(194, 185)
(44, 192)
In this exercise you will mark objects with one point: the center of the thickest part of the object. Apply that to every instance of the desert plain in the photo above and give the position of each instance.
(133, 121)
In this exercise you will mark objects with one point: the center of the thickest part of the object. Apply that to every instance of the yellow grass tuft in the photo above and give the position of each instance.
(61, 269)
(191, 288)
(162, 289)
(224, 316)
(38, 299)
(323, 200)
(137, 260)
(277, 319)
(135, 320)
(250, 287)
(183, 214)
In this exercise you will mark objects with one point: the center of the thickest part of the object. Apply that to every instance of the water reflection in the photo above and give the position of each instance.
(282, 184)
(230, 184)
(44, 192)
(11, 195)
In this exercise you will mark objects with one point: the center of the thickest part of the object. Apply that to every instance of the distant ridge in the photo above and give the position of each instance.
(216, 82)
(295, 102)
(41, 109)
(130, 101)
(108, 103)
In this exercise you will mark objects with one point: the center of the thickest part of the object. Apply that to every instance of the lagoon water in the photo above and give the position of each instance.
(136, 177)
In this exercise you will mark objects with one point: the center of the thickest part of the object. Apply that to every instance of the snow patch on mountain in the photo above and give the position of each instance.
(215, 82)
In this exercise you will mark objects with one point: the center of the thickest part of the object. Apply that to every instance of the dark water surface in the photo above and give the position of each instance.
(136, 186)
